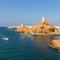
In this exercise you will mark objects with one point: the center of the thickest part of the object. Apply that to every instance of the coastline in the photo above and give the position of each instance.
(42, 34)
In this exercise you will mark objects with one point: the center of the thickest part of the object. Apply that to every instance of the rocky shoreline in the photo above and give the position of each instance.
(41, 28)
(55, 44)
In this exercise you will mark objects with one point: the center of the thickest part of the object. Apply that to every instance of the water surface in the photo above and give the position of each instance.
(26, 47)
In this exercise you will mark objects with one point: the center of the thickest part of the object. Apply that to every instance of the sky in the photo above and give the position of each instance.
(29, 12)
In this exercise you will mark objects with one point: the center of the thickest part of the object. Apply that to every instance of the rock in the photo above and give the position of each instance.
(55, 44)
(42, 27)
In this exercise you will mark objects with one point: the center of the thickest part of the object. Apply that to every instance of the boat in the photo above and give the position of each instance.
(5, 38)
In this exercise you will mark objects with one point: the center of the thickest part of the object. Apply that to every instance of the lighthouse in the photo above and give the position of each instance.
(22, 25)
(43, 19)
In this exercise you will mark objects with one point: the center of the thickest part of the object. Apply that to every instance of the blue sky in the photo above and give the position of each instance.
(29, 12)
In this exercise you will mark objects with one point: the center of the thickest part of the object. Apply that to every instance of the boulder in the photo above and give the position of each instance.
(55, 44)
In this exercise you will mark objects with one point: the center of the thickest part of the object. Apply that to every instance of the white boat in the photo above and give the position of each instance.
(5, 38)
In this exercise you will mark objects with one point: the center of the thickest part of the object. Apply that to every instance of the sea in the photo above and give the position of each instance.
(26, 47)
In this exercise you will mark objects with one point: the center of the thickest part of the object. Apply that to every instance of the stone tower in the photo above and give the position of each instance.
(22, 25)
(43, 19)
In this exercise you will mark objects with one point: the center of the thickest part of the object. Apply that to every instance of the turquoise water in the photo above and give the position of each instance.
(26, 47)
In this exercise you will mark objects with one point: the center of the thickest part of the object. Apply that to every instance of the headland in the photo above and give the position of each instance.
(42, 28)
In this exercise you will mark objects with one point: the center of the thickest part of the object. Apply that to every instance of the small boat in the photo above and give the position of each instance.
(5, 38)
